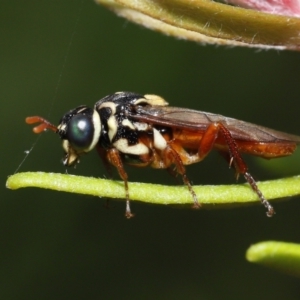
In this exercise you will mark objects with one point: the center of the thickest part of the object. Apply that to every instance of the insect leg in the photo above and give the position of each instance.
(241, 167)
(114, 158)
(103, 155)
(234, 157)
(263, 200)
(172, 155)
(174, 174)
(208, 140)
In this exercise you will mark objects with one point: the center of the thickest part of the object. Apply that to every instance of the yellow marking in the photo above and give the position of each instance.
(156, 100)
(152, 100)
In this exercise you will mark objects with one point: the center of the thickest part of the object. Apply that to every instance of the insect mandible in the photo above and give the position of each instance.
(142, 130)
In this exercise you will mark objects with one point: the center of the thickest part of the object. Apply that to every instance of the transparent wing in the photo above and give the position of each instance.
(198, 120)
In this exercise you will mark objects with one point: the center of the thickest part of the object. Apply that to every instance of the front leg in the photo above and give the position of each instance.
(103, 155)
(113, 156)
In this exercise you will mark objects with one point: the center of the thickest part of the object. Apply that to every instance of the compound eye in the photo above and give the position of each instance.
(80, 132)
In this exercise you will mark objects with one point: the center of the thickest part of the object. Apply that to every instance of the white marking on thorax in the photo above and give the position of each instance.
(110, 105)
(112, 121)
(141, 126)
(127, 123)
(112, 127)
(138, 149)
(158, 140)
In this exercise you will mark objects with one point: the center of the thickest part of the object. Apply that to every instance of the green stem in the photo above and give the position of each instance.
(155, 193)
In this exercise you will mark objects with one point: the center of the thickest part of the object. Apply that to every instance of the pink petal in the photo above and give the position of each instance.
(277, 7)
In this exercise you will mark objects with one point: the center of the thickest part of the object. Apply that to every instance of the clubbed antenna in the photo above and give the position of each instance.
(44, 124)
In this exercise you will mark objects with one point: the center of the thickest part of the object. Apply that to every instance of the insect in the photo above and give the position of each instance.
(142, 130)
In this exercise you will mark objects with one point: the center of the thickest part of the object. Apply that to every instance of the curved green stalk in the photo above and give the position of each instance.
(155, 193)
(284, 257)
(206, 21)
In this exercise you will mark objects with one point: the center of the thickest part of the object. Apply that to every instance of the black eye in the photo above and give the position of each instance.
(80, 131)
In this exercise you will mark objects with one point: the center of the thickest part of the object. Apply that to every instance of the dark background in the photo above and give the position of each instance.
(64, 246)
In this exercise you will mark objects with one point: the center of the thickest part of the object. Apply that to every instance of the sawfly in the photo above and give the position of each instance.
(142, 130)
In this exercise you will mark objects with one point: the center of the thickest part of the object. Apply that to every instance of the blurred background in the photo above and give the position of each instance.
(56, 55)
